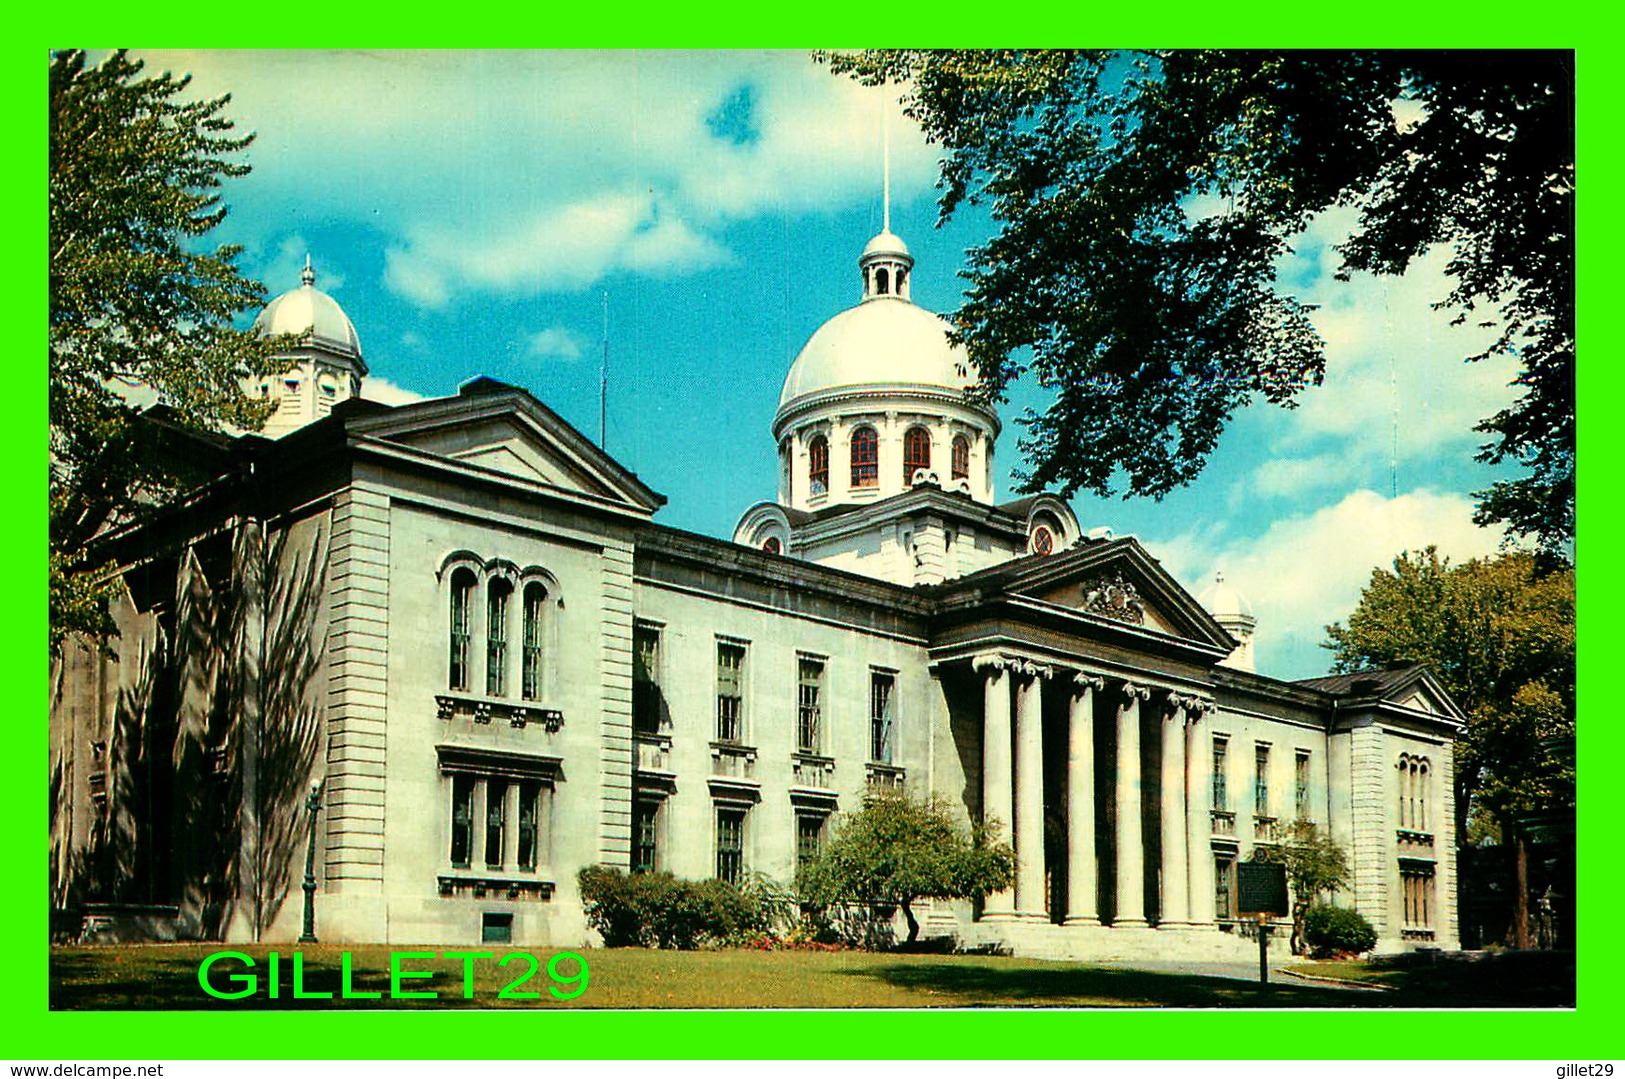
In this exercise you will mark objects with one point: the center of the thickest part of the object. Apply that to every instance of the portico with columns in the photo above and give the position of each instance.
(1145, 858)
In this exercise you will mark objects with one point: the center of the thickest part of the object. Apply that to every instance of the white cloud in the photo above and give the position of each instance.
(1293, 477)
(560, 249)
(1307, 571)
(1396, 384)
(417, 280)
(511, 153)
(555, 342)
(387, 393)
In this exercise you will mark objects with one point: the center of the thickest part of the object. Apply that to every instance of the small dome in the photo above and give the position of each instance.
(309, 309)
(1222, 601)
(886, 243)
(878, 344)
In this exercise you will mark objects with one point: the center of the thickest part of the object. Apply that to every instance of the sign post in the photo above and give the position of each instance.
(1261, 888)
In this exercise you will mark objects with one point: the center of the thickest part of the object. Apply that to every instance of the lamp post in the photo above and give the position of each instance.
(308, 936)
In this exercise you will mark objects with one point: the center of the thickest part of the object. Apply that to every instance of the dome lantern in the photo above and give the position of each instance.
(885, 265)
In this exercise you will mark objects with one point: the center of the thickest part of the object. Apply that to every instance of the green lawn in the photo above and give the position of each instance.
(166, 977)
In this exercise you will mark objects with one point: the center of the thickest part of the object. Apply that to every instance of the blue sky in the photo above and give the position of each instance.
(472, 211)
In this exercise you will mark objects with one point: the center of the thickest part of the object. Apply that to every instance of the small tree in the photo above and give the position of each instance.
(896, 850)
(1315, 865)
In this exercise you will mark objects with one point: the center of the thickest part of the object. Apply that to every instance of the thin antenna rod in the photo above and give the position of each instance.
(603, 380)
(885, 166)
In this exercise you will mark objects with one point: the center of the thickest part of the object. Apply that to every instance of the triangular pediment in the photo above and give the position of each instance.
(504, 430)
(1118, 581)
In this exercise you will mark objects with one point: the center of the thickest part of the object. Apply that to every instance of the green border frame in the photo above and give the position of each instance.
(1589, 1032)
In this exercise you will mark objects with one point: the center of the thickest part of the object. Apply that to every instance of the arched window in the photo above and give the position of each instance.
(462, 598)
(961, 460)
(881, 281)
(818, 465)
(530, 657)
(496, 637)
(773, 546)
(916, 453)
(865, 457)
(1422, 796)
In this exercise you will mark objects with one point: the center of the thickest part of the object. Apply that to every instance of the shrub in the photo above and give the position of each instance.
(662, 911)
(1338, 931)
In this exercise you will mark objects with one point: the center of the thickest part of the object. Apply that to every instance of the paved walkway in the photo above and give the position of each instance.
(1247, 972)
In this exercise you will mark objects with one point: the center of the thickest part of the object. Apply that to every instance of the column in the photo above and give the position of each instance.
(1030, 899)
(1130, 838)
(1175, 895)
(997, 794)
(1198, 797)
(1081, 875)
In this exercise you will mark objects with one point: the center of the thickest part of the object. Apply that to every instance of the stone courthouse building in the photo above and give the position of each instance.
(462, 620)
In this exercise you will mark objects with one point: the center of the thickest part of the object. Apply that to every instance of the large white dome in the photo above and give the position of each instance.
(881, 342)
(309, 309)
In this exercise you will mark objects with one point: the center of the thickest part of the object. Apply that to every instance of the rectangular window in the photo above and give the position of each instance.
(496, 638)
(645, 835)
(496, 819)
(1261, 781)
(881, 744)
(1221, 792)
(1417, 889)
(462, 819)
(730, 691)
(646, 678)
(809, 837)
(1224, 886)
(530, 799)
(810, 698)
(1300, 784)
(496, 928)
(730, 844)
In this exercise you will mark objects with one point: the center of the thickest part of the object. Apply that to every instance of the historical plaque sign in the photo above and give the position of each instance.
(1261, 888)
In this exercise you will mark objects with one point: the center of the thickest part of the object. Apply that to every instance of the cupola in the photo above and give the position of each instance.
(327, 366)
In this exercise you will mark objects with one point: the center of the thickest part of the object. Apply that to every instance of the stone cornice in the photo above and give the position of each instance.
(875, 400)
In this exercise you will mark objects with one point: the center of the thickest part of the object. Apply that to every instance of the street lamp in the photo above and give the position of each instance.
(313, 804)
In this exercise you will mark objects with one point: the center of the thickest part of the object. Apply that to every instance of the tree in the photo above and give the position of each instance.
(896, 850)
(1144, 202)
(1499, 635)
(135, 173)
(1315, 865)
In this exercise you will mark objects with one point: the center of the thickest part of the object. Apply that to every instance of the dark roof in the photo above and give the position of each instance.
(1018, 507)
(1363, 683)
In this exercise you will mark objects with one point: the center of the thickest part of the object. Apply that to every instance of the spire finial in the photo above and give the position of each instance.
(885, 167)
(308, 276)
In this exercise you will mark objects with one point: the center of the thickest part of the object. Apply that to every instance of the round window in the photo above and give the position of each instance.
(772, 546)
(1043, 541)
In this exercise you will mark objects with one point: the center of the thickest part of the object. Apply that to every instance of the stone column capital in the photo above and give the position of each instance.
(1084, 681)
(1197, 707)
(1026, 668)
(988, 663)
(1133, 692)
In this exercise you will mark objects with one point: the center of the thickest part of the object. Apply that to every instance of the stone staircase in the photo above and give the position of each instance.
(1046, 940)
